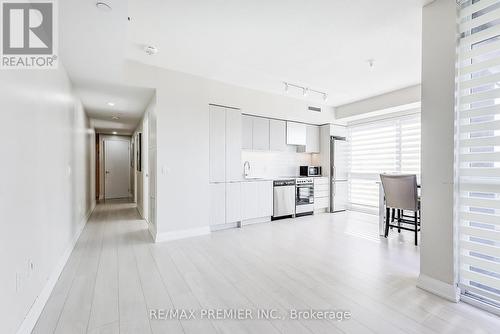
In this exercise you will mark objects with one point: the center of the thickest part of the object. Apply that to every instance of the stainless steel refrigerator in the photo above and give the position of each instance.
(338, 174)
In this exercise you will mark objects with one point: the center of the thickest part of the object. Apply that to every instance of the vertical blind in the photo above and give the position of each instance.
(384, 146)
(478, 147)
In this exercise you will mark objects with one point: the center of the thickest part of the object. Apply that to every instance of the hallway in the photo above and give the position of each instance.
(116, 275)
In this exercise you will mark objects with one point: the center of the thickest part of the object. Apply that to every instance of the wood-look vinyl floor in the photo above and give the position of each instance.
(116, 275)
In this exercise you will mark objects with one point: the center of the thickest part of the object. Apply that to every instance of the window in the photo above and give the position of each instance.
(478, 147)
(385, 146)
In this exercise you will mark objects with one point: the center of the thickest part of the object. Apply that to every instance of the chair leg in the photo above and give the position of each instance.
(393, 216)
(387, 221)
(416, 228)
(399, 220)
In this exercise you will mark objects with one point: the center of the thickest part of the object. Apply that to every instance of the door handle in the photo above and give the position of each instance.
(107, 172)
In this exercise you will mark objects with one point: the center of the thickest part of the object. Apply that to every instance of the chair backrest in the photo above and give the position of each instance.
(400, 191)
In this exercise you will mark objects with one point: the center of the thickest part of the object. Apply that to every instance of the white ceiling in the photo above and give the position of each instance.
(91, 45)
(323, 44)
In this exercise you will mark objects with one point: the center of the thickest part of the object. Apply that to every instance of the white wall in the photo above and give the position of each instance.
(389, 101)
(47, 187)
(437, 262)
(182, 136)
(142, 177)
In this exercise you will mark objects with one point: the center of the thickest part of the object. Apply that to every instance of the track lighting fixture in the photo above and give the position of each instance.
(305, 90)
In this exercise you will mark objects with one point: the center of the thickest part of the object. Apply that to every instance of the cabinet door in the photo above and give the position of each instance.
(247, 132)
(338, 130)
(217, 144)
(248, 200)
(261, 133)
(265, 199)
(217, 203)
(234, 169)
(277, 135)
(233, 202)
(312, 139)
(296, 133)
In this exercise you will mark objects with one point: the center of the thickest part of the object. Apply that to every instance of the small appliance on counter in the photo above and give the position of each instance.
(304, 199)
(310, 171)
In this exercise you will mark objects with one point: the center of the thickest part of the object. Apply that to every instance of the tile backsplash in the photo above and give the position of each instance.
(274, 164)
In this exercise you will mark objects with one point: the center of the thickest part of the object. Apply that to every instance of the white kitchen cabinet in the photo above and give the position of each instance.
(233, 142)
(260, 134)
(256, 199)
(338, 130)
(217, 144)
(321, 193)
(312, 140)
(247, 132)
(233, 202)
(277, 135)
(296, 133)
(265, 199)
(217, 203)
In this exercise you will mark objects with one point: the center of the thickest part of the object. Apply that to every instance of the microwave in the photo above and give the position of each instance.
(310, 170)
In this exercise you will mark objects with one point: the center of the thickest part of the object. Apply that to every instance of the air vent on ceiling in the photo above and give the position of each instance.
(316, 109)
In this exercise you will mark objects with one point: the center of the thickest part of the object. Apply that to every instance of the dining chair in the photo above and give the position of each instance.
(401, 194)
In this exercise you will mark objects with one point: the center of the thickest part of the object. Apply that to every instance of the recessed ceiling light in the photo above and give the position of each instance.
(111, 104)
(114, 132)
(103, 6)
(151, 50)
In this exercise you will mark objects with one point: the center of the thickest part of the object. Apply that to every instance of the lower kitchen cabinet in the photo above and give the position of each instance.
(217, 203)
(233, 202)
(256, 200)
(321, 193)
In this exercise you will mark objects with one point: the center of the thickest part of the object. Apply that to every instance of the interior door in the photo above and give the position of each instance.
(116, 169)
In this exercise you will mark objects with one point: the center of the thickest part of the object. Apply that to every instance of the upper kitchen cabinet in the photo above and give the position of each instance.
(296, 133)
(255, 133)
(247, 132)
(225, 144)
(233, 145)
(260, 134)
(277, 135)
(217, 143)
(338, 130)
(312, 140)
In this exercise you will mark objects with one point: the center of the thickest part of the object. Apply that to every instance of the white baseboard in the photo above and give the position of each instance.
(175, 235)
(256, 221)
(152, 230)
(447, 291)
(220, 227)
(36, 309)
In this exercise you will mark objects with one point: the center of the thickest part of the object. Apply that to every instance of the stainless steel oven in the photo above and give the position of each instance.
(304, 196)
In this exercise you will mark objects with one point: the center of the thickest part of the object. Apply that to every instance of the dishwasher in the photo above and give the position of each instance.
(283, 199)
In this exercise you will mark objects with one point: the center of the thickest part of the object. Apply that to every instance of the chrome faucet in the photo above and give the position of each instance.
(245, 171)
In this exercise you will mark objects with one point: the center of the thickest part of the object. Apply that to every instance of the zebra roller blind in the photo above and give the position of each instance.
(478, 149)
(376, 147)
